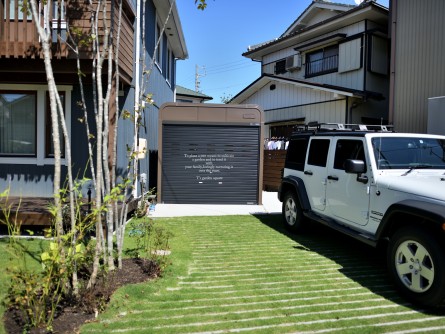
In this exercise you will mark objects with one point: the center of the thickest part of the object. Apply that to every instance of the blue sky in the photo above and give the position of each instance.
(217, 37)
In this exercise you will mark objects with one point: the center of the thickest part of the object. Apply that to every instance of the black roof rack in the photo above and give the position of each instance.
(319, 127)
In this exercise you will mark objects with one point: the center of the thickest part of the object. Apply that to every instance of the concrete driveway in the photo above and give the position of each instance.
(271, 205)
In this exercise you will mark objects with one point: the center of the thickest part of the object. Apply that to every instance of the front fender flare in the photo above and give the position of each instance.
(434, 213)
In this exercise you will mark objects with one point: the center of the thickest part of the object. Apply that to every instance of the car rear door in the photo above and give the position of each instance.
(315, 172)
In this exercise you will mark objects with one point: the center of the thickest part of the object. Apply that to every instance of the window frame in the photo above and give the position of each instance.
(326, 68)
(40, 158)
(158, 52)
(168, 66)
(354, 149)
(280, 67)
(26, 155)
(296, 152)
(318, 152)
(48, 128)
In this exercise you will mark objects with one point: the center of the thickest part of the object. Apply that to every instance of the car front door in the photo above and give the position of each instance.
(347, 198)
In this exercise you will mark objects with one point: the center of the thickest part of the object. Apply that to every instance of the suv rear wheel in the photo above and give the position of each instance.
(417, 266)
(292, 212)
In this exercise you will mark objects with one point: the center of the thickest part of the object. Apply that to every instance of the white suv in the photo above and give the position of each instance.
(380, 187)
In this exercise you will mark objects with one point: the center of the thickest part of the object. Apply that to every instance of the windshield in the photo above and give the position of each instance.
(406, 153)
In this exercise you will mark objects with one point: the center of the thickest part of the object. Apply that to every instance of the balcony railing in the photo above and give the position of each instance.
(322, 66)
(19, 37)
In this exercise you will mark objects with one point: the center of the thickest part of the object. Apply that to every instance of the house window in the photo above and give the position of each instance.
(25, 124)
(58, 11)
(168, 66)
(322, 61)
(280, 67)
(49, 143)
(18, 121)
(158, 41)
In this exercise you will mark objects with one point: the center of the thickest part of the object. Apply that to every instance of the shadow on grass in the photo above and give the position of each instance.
(346, 252)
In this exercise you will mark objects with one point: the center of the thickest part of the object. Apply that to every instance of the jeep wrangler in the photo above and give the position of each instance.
(380, 187)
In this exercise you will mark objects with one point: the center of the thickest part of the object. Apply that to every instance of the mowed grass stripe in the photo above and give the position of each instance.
(271, 265)
(417, 322)
(275, 271)
(307, 275)
(263, 324)
(368, 327)
(162, 315)
(246, 274)
(259, 312)
(221, 290)
(269, 286)
(252, 303)
(275, 315)
(266, 263)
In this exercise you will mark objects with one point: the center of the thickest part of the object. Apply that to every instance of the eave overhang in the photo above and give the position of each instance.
(365, 11)
(267, 79)
(173, 29)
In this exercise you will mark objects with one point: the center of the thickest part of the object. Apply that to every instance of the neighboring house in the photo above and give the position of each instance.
(187, 95)
(26, 156)
(330, 65)
(417, 61)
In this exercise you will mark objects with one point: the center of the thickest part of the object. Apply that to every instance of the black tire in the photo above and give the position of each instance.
(416, 264)
(292, 213)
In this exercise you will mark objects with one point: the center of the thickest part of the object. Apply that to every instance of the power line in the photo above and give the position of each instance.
(231, 69)
(195, 77)
(229, 64)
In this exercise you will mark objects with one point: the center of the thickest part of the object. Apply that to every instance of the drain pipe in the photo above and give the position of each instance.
(136, 95)
(353, 106)
(392, 71)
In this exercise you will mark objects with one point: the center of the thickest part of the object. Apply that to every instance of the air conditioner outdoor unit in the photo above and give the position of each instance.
(293, 62)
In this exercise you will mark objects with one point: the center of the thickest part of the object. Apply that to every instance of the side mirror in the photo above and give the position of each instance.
(355, 166)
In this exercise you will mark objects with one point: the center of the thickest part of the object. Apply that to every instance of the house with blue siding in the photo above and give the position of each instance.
(26, 154)
(331, 65)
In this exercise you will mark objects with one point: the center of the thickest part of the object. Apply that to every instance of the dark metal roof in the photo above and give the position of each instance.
(355, 9)
(191, 93)
(311, 5)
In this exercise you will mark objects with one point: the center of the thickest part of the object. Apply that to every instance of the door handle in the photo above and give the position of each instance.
(308, 172)
(333, 178)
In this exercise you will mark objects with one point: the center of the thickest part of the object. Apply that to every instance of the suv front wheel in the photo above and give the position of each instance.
(292, 212)
(417, 266)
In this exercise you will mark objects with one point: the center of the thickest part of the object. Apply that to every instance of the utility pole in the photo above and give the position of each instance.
(198, 75)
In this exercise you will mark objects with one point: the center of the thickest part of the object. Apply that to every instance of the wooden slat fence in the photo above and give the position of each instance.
(272, 168)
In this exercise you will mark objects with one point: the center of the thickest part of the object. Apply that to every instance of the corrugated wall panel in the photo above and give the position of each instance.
(204, 164)
(288, 102)
(419, 65)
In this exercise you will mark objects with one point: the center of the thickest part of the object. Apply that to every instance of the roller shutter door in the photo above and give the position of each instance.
(204, 164)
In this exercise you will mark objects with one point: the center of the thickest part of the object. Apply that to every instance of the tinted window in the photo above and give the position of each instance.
(318, 152)
(348, 149)
(296, 153)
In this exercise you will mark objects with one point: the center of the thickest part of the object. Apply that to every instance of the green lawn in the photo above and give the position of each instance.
(246, 274)
(33, 248)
